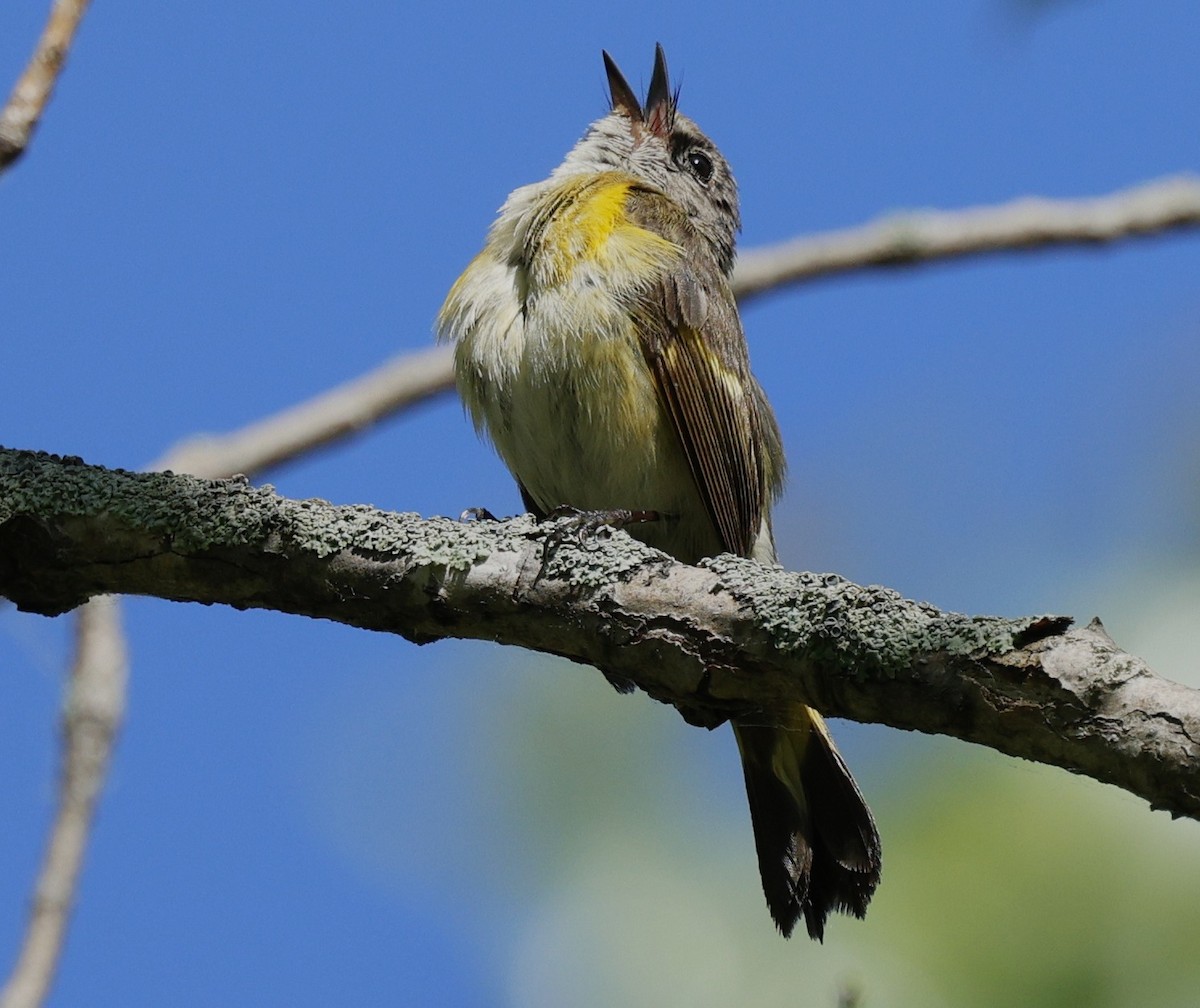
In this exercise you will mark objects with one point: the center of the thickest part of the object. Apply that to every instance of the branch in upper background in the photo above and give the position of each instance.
(728, 638)
(325, 418)
(903, 239)
(896, 239)
(32, 92)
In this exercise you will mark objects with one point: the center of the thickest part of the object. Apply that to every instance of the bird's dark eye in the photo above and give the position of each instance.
(700, 165)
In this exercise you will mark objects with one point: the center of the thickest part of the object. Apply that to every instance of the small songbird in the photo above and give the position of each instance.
(598, 345)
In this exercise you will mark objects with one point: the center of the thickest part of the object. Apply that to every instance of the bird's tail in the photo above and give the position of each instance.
(818, 848)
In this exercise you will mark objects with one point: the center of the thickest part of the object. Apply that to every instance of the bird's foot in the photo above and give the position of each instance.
(477, 514)
(602, 521)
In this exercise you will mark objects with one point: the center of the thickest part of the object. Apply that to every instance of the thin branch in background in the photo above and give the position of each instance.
(926, 237)
(904, 239)
(326, 418)
(95, 698)
(33, 89)
(94, 709)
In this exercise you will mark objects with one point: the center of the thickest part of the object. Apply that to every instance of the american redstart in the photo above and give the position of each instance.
(598, 345)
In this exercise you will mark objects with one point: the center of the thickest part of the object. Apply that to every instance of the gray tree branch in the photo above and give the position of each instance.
(726, 638)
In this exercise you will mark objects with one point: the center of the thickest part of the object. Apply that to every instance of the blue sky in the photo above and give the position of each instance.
(232, 206)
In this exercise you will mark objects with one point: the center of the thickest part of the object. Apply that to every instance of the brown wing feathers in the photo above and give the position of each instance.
(692, 340)
(714, 426)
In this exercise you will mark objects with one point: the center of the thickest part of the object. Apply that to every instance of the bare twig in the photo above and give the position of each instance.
(896, 239)
(331, 416)
(925, 237)
(96, 693)
(32, 92)
(94, 708)
(729, 637)
(902, 239)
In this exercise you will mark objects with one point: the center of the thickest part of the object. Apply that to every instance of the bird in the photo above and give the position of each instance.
(597, 344)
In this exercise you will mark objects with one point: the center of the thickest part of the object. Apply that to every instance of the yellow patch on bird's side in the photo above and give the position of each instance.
(587, 225)
(596, 210)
